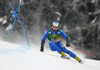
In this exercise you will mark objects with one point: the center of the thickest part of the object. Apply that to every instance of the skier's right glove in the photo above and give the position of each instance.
(42, 48)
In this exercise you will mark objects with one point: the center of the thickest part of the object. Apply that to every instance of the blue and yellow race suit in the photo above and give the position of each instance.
(55, 43)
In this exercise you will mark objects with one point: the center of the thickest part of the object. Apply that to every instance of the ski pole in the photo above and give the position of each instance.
(82, 51)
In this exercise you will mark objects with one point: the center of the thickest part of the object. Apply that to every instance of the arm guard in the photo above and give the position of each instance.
(42, 46)
(68, 39)
(42, 43)
(68, 42)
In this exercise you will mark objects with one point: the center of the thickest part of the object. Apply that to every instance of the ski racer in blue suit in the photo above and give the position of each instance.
(55, 44)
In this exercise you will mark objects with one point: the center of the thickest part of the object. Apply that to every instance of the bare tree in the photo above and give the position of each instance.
(61, 11)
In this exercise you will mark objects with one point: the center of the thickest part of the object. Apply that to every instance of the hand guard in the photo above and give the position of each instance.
(67, 44)
(42, 49)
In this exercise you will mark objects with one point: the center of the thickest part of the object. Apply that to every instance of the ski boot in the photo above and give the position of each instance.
(63, 55)
(78, 59)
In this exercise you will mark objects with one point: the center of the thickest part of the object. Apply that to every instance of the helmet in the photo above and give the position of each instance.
(55, 26)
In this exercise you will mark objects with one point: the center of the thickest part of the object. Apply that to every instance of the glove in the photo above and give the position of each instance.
(42, 49)
(67, 44)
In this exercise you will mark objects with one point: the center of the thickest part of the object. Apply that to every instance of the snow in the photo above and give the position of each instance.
(1, 19)
(11, 11)
(93, 1)
(93, 21)
(58, 18)
(21, 1)
(58, 13)
(8, 27)
(18, 57)
(4, 22)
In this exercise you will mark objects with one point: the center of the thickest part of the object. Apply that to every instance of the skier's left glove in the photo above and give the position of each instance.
(67, 44)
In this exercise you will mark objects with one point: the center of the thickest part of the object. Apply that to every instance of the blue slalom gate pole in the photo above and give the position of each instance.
(24, 31)
(11, 29)
(15, 14)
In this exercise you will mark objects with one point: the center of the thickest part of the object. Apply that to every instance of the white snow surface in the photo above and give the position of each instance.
(17, 57)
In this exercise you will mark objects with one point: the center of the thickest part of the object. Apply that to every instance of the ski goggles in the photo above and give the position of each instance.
(54, 28)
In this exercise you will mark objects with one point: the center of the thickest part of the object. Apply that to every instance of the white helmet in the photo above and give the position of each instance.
(55, 24)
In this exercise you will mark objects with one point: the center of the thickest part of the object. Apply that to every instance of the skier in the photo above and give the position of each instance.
(55, 44)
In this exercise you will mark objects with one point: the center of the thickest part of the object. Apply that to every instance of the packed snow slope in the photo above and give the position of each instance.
(17, 57)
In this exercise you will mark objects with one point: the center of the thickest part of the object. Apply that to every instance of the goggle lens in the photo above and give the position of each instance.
(54, 28)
